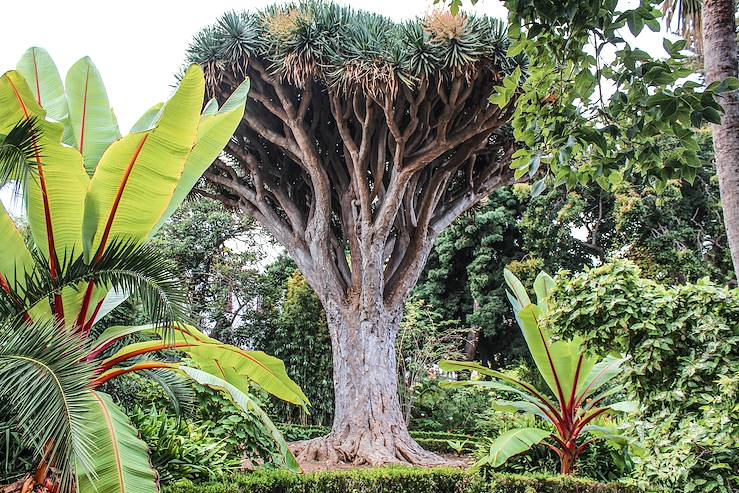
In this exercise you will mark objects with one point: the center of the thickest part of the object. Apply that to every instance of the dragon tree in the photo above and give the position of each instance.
(363, 139)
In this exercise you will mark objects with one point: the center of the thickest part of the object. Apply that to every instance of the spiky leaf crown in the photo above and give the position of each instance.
(348, 48)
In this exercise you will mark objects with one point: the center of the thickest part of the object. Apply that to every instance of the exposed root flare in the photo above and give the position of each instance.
(366, 448)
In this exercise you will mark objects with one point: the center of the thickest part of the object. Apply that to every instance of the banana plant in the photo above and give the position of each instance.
(92, 199)
(578, 386)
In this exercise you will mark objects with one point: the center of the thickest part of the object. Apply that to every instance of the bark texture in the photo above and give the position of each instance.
(357, 182)
(720, 60)
(368, 427)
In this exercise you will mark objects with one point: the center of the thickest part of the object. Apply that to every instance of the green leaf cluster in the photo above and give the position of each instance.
(683, 348)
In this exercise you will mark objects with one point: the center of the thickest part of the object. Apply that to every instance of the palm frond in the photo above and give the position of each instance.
(179, 390)
(46, 388)
(689, 17)
(125, 266)
(17, 151)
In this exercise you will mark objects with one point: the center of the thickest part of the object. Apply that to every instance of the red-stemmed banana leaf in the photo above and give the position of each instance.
(55, 193)
(90, 116)
(235, 365)
(16, 263)
(120, 463)
(40, 71)
(146, 164)
(512, 443)
(215, 128)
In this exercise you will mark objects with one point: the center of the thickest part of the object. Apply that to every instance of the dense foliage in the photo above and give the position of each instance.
(84, 186)
(683, 344)
(398, 480)
(579, 386)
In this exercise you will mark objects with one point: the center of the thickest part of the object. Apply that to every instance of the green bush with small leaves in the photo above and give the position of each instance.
(397, 480)
(683, 345)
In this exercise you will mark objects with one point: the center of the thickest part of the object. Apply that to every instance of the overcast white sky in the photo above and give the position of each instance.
(138, 45)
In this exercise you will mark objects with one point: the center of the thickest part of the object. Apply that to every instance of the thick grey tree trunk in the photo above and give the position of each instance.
(720, 62)
(369, 426)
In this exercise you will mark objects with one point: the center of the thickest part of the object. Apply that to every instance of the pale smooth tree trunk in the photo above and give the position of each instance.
(720, 62)
(369, 426)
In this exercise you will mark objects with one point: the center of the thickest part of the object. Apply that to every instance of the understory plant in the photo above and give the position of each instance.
(579, 385)
(92, 199)
(683, 348)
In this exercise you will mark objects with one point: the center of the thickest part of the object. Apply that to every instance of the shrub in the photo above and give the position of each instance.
(448, 410)
(683, 342)
(397, 480)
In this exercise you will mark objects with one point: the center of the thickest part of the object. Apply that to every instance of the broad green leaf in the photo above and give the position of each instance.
(571, 364)
(518, 406)
(600, 374)
(148, 120)
(235, 365)
(55, 193)
(624, 406)
(16, 263)
(538, 340)
(121, 460)
(238, 366)
(112, 300)
(519, 291)
(249, 405)
(146, 164)
(90, 116)
(214, 131)
(514, 442)
(39, 70)
(453, 366)
(543, 285)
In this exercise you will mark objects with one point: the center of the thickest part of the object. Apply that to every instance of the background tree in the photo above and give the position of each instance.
(675, 236)
(218, 254)
(299, 335)
(463, 280)
(363, 141)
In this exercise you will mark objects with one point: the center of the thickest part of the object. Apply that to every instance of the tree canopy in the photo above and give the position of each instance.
(359, 130)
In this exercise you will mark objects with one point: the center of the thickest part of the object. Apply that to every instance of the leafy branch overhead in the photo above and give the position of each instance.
(592, 105)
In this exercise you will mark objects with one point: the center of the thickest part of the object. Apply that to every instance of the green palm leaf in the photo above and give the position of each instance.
(512, 443)
(47, 389)
(17, 152)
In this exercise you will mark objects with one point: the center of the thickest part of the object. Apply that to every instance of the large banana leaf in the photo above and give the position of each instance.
(16, 261)
(248, 404)
(600, 374)
(55, 192)
(235, 365)
(524, 390)
(214, 130)
(56, 196)
(91, 118)
(136, 178)
(512, 443)
(121, 460)
(39, 70)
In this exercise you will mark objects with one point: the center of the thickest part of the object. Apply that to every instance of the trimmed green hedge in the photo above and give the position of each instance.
(439, 445)
(395, 480)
